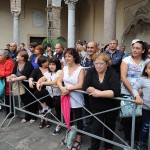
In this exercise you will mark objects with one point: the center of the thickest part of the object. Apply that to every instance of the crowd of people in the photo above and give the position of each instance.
(103, 73)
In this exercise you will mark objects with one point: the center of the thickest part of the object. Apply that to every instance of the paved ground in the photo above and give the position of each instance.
(26, 136)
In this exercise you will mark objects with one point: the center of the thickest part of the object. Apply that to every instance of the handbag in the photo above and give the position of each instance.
(18, 88)
(2, 86)
(127, 108)
(71, 136)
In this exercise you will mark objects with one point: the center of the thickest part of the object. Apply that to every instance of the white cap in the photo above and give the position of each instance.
(134, 41)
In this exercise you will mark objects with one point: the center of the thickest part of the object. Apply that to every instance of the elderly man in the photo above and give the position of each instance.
(13, 50)
(6, 68)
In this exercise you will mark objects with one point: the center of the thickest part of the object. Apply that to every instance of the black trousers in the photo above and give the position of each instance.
(127, 126)
(7, 102)
(109, 119)
(57, 106)
(76, 113)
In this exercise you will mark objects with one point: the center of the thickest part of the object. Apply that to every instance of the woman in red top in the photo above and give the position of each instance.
(6, 68)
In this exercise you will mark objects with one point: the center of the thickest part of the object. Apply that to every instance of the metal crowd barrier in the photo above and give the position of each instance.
(3, 104)
(123, 143)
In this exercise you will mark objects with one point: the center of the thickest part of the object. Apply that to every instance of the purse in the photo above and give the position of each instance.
(18, 88)
(2, 86)
(71, 136)
(127, 108)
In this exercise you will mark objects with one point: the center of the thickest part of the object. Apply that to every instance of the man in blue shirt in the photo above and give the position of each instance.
(116, 55)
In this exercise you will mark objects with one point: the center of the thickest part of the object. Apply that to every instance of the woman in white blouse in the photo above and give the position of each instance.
(72, 76)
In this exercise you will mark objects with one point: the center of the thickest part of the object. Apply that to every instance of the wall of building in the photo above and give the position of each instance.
(28, 28)
(89, 21)
(6, 22)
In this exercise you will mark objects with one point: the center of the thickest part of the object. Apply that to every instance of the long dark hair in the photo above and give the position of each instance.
(56, 61)
(145, 73)
(144, 48)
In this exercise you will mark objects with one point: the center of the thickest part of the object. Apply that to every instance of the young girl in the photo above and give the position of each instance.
(50, 80)
(144, 84)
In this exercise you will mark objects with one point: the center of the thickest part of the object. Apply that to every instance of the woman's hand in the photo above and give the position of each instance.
(31, 84)
(90, 90)
(64, 91)
(39, 85)
(11, 78)
(95, 93)
(139, 100)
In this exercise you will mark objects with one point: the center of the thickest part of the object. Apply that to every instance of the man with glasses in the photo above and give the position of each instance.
(116, 55)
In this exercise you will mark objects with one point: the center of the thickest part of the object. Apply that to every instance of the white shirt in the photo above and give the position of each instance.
(76, 98)
(53, 90)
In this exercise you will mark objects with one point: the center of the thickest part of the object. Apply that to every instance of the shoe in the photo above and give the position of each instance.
(42, 124)
(77, 145)
(23, 121)
(57, 131)
(48, 124)
(63, 142)
(32, 121)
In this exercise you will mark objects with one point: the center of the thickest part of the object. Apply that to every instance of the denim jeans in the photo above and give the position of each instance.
(145, 129)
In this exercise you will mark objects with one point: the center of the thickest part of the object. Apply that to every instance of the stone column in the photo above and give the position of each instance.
(49, 10)
(15, 10)
(55, 22)
(71, 22)
(16, 37)
(109, 20)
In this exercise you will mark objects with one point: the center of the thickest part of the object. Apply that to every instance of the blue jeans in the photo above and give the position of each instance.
(145, 129)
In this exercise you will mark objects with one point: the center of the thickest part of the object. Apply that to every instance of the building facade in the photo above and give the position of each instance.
(89, 20)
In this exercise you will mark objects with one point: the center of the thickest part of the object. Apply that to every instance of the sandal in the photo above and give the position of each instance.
(48, 124)
(63, 142)
(77, 147)
(42, 124)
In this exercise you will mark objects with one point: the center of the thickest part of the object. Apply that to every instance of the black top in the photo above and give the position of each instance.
(110, 82)
(26, 71)
(36, 75)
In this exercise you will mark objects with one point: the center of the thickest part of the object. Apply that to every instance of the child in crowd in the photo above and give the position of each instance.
(144, 84)
(50, 80)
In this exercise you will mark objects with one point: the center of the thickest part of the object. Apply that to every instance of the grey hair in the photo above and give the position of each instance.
(6, 53)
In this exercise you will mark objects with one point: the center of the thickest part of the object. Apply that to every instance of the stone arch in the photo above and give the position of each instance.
(139, 27)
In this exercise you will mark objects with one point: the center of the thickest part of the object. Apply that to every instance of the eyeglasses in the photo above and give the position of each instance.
(91, 47)
(99, 64)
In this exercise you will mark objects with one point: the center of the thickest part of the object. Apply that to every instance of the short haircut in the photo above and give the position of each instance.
(115, 40)
(33, 44)
(40, 48)
(56, 61)
(6, 53)
(74, 53)
(22, 44)
(24, 54)
(105, 57)
(41, 60)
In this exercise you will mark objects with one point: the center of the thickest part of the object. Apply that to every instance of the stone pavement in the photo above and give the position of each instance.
(26, 136)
